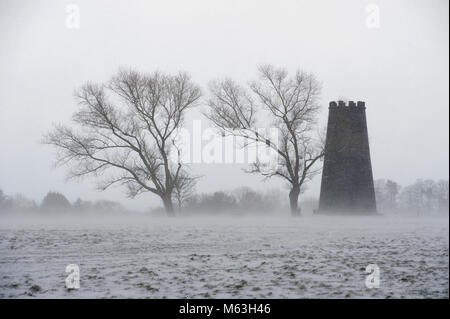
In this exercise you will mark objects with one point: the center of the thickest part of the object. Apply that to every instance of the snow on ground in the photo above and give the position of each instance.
(260, 257)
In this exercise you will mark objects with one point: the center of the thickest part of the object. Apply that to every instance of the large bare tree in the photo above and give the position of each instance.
(184, 189)
(289, 103)
(127, 127)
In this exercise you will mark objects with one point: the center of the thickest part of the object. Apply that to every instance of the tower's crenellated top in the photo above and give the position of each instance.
(351, 104)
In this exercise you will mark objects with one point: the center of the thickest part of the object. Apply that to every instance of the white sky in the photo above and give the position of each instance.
(400, 70)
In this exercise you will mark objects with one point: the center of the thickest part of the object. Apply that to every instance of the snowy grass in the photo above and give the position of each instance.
(266, 257)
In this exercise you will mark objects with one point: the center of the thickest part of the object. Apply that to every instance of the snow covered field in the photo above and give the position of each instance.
(262, 257)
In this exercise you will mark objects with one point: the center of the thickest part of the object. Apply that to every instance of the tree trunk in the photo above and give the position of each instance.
(168, 205)
(293, 200)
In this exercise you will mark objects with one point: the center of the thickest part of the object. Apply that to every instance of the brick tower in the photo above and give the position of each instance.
(347, 181)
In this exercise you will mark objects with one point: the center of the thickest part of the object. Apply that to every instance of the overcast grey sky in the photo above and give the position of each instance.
(400, 69)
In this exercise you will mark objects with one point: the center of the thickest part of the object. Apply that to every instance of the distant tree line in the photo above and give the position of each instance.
(16, 203)
(421, 198)
(55, 202)
(124, 130)
(238, 201)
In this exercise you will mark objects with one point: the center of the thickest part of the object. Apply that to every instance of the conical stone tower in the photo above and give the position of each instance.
(347, 181)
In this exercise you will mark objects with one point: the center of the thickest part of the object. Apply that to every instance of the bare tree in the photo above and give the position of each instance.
(127, 127)
(291, 104)
(386, 193)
